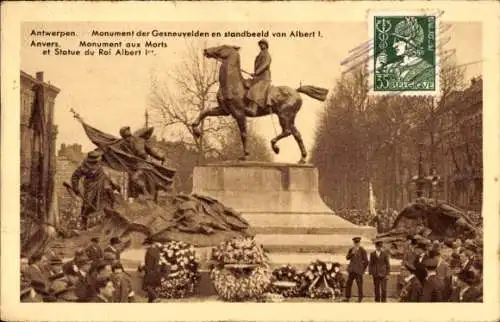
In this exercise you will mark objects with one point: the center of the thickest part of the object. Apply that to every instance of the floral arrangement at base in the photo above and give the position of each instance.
(288, 282)
(239, 251)
(240, 284)
(240, 271)
(325, 280)
(178, 270)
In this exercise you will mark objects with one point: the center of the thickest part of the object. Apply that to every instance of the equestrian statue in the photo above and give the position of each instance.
(256, 97)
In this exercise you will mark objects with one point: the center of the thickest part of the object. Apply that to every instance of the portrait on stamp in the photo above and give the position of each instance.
(405, 53)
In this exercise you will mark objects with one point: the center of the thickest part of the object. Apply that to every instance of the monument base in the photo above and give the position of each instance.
(282, 204)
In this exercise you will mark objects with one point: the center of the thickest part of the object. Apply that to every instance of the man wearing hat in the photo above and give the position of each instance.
(97, 186)
(412, 288)
(433, 287)
(420, 257)
(358, 261)
(151, 269)
(94, 251)
(408, 257)
(257, 94)
(470, 255)
(78, 260)
(55, 268)
(104, 290)
(452, 283)
(124, 292)
(379, 269)
(115, 248)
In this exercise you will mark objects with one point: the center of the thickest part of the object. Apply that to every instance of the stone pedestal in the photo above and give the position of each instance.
(282, 204)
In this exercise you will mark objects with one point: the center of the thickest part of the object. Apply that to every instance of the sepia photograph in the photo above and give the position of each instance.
(255, 161)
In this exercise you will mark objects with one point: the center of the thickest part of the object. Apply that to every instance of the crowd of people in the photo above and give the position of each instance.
(382, 220)
(431, 271)
(92, 275)
(436, 272)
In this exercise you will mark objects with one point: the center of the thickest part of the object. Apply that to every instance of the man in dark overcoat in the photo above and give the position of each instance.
(379, 269)
(151, 269)
(420, 257)
(433, 286)
(412, 289)
(358, 261)
(94, 250)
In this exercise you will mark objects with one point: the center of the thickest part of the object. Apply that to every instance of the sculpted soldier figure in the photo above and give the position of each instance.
(139, 146)
(97, 186)
(257, 94)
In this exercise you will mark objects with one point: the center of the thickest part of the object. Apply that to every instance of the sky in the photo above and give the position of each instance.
(112, 91)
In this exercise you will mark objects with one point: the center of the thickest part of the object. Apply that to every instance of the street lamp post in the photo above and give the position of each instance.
(419, 179)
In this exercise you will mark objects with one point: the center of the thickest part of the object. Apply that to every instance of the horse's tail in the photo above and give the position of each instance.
(315, 92)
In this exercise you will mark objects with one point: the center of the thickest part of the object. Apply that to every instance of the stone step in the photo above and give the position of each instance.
(297, 223)
(301, 243)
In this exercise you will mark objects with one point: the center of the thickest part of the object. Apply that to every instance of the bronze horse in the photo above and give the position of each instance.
(285, 101)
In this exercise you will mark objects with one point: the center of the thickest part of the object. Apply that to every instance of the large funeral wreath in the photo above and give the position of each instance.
(240, 270)
(289, 282)
(324, 280)
(178, 270)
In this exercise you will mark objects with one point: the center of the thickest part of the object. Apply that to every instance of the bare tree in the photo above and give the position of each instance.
(189, 88)
(427, 108)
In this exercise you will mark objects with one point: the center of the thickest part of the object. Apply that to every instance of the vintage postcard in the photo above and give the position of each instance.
(250, 161)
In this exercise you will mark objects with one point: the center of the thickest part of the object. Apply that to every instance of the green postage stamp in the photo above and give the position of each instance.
(404, 57)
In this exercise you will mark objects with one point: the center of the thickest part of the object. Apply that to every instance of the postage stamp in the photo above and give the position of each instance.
(230, 154)
(405, 55)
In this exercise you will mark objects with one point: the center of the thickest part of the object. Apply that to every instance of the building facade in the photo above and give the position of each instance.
(460, 150)
(38, 136)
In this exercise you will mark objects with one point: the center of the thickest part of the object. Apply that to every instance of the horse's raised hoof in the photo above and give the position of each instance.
(243, 158)
(302, 161)
(276, 149)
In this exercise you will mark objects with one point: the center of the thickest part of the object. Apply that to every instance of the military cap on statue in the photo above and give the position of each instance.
(356, 239)
(264, 41)
(124, 130)
(94, 156)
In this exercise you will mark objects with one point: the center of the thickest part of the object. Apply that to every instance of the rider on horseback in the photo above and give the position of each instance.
(257, 94)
